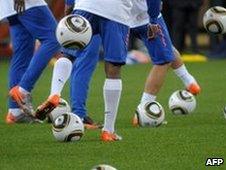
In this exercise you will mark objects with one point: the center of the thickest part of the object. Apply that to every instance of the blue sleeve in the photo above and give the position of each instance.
(70, 2)
(153, 9)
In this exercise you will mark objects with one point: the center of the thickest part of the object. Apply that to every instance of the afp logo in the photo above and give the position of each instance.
(214, 161)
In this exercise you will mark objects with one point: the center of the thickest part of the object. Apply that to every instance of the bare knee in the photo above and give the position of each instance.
(113, 70)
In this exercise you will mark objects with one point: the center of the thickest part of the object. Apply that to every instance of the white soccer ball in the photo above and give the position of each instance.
(103, 167)
(182, 102)
(62, 108)
(74, 31)
(68, 127)
(214, 20)
(150, 114)
(224, 112)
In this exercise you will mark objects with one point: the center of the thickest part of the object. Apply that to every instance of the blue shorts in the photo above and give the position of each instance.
(160, 48)
(114, 36)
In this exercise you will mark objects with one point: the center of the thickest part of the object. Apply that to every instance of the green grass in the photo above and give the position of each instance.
(184, 143)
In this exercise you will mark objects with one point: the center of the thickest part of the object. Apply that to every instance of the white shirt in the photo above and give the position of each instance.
(115, 10)
(7, 6)
(139, 15)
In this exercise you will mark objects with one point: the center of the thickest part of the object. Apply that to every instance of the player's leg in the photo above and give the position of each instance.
(41, 25)
(181, 71)
(40, 22)
(23, 47)
(61, 73)
(160, 50)
(157, 74)
(114, 39)
(113, 84)
(83, 69)
(154, 82)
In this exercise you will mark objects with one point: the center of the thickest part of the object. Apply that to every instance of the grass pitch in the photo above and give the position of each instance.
(184, 143)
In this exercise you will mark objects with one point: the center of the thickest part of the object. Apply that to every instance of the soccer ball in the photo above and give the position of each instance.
(182, 102)
(74, 31)
(224, 112)
(214, 20)
(150, 114)
(103, 167)
(68, 127)
(62, 108)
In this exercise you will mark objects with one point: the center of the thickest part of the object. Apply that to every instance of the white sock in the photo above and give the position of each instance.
(112, 92)
(146, 97)
(22, 90)
(61, 73)
(15, 112)
(184, 75)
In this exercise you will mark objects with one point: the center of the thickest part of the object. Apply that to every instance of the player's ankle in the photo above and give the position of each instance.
(15, 112)
(24, 91)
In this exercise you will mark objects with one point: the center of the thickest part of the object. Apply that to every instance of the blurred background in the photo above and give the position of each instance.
(183, 18)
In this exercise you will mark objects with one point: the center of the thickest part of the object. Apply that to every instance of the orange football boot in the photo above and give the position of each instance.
(109, 137)
(194, 88)
(23, 100)
(49, 105)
